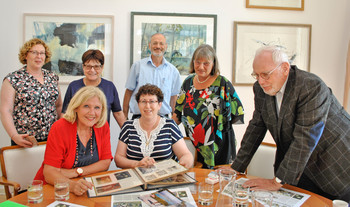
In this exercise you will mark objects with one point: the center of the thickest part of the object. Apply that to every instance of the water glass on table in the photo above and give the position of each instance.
(262, 198)
(205, 193)
(35, 191)
(240, 195)
(226, 175)
(61, 189)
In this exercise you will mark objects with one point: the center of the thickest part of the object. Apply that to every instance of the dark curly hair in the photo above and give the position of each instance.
(150, 89)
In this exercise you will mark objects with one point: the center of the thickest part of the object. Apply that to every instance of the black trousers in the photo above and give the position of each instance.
(307, 184)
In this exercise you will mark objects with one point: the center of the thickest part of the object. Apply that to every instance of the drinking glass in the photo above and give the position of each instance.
(205, 193)
(226, 175)
(35, 191)
(240, 195)
(61, 189)
(262, 198)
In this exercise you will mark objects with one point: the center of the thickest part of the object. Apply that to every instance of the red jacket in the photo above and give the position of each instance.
(61, 145)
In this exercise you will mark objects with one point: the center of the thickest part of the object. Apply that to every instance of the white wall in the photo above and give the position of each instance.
(330, 36)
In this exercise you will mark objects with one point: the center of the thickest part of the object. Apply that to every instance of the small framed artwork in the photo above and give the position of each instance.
(294, 39)
(68, 37)
(276, 4)
(184, 33)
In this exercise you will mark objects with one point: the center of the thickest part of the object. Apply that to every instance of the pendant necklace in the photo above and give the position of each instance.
(77, 149)
(202, 81)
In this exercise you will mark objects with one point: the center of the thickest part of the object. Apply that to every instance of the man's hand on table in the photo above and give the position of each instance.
(262, 184)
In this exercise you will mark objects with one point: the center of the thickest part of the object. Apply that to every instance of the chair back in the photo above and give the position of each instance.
(193, 150)
(20, 165)
(262, 162)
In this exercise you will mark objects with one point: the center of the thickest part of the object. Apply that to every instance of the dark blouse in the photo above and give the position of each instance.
(85, 156)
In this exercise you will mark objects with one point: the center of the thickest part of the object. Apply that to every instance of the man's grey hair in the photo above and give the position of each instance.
(278, 55)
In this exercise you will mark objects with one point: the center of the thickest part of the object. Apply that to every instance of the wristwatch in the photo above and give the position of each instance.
(79, 171)
(279, 181)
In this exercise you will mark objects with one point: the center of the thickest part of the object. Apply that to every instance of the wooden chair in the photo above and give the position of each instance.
(19, 166)
(262, 162)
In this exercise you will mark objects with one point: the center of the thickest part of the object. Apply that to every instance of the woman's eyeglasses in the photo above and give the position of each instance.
(37, 53)
(151, 102)
(90, 67)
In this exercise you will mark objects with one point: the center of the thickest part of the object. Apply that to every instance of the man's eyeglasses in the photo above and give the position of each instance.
(37, 53)
(90, 67)
(266, 75)
(151, 102)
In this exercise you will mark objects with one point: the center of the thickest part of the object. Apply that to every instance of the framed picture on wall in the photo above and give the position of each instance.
(68, 37)
(273, 4)
(294, 39)
(184, 33)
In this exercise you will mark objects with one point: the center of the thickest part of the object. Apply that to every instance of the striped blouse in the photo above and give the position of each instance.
(158, 146)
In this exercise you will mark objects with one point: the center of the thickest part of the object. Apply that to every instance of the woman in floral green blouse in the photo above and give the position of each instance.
(207, 106)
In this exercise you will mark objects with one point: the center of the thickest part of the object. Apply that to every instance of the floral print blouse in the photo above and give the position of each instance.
(35, 104)
(207, 115)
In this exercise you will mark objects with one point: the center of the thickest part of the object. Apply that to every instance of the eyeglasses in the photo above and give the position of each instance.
(206, 64)
(151, 102)
(90, 67)
(266, 75)
(37, 53)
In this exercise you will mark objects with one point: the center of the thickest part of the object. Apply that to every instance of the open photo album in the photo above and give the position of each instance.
(163, 174)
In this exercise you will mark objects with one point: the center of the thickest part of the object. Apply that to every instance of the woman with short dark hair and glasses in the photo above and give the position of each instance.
(30, 97)
(150, 138)
(93, 65)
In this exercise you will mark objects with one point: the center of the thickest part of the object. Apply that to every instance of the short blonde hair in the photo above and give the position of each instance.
(80, 97)
(22, 56)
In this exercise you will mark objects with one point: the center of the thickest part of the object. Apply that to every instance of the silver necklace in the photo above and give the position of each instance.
(202, 81)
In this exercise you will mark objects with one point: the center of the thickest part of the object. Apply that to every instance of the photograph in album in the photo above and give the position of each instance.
(162, 174)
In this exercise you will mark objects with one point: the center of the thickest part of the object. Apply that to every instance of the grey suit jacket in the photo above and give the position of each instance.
(312, 133)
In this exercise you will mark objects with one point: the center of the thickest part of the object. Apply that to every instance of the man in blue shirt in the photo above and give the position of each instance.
(155, 70)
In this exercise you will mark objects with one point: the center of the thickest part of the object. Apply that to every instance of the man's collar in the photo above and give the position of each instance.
(164, 61)
(284, 86)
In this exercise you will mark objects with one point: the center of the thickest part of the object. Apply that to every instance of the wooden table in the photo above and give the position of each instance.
(201, 174)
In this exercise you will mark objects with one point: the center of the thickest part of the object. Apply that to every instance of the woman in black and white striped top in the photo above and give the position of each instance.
(151, 137)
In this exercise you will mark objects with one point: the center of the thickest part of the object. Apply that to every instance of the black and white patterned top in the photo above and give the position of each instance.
(34, 108)
(158, 145)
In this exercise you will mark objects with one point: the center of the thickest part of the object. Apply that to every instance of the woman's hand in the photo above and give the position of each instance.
(146, 162)
(79, 187)
(20, 139)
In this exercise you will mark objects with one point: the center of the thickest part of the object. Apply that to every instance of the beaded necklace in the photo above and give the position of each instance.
(202, 81)
(77, 149)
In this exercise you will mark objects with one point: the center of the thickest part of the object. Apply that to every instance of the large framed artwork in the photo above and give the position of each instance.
(184, 33)
(276, 4)
(295, 39)
(68, 37)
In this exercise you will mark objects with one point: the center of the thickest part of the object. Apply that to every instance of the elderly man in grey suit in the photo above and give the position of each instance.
(311, 129)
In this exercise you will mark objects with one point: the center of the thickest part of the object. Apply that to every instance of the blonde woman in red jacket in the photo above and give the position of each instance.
(79, 143)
